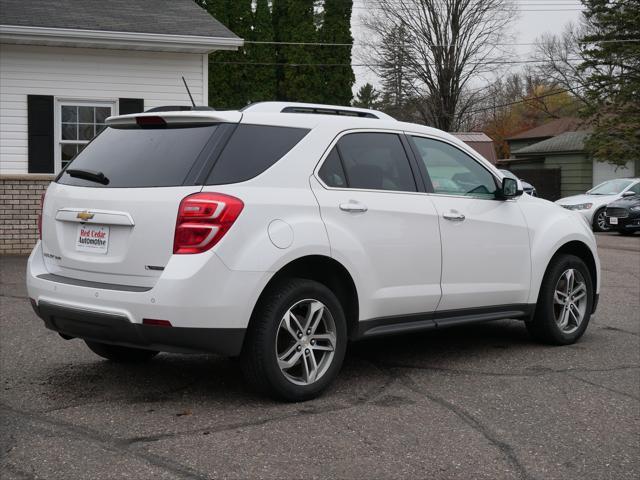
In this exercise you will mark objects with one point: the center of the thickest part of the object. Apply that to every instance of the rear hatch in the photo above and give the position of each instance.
(110, 217)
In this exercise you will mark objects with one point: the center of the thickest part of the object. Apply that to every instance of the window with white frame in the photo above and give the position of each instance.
(78, 123)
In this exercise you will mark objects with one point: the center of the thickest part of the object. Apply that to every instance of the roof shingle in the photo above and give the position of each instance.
(550, 129)
(480, 142)
(566, 142)
(168, 17)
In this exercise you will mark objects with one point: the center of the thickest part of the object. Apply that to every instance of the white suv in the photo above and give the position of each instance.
(281, 232)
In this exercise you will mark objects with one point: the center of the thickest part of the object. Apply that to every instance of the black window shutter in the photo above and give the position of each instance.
(130, 105)
(40, 133)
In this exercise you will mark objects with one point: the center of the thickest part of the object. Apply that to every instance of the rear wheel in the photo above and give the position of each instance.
(116, 353)
(600, 221)
(564, 303)
(297, 341)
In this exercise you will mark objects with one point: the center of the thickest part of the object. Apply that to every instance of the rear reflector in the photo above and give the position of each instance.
(156, 323)
(40, 214)
(203, 219)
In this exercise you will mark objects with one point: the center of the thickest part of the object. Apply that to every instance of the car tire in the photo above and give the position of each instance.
(548, 323)
(271, 337)
(599, 223)
(117, 353)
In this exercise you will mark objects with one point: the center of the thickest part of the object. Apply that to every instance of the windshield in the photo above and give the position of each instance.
(611, 187)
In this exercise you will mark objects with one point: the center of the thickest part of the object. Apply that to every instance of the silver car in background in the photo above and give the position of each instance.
(593, 203)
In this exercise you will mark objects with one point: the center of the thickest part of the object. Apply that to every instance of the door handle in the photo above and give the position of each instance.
(353, 207)
(454, 216)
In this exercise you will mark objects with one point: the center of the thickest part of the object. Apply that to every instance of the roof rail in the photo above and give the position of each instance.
(313, 108)
(180, 108)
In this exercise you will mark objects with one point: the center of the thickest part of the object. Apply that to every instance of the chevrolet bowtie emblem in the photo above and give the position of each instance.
(85, 215)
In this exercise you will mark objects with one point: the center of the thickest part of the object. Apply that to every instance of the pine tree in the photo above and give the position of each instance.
(612, 59)
(337, 82)
(294, 21)
(229, 82)
(262, 77)
(219, 76)
(367, 97)
(279, 15)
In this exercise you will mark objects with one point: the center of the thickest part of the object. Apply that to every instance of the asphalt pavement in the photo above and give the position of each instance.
(467, 403)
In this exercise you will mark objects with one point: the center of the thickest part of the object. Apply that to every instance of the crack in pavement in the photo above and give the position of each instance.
(616, 329)
(505, 449)
(539, 371)
(360, 400)
(609, 389)
(129, 446)
(108, 442)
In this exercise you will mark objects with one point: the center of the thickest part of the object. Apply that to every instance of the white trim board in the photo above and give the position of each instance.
(118, 40)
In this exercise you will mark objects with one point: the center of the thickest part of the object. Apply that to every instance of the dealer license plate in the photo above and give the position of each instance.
(613, 220)
(92, 238)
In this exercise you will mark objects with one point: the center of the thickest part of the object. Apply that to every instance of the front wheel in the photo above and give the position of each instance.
(600, 221)
(564, 303)
(296, 342)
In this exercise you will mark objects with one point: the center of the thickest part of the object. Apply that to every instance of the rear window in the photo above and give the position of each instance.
(251, 150)
(141, 157)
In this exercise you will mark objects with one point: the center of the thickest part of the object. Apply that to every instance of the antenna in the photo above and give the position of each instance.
(187, 87)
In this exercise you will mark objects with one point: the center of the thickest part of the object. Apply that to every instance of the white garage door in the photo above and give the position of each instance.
(603, 171)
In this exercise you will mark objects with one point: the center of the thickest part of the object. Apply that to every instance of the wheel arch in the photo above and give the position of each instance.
(582, 251)
(327, 271)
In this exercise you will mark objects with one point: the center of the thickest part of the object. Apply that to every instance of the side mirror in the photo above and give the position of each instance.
(628, 193)
(510, 188)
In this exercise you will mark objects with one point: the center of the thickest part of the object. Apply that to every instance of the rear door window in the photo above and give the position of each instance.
(375, 161)
(251, 150)
(135, 157)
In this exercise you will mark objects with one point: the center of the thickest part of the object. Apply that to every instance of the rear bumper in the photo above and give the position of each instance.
(116, 329)
(207, 304)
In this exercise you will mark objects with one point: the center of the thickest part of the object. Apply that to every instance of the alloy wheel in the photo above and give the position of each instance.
(570, 300)
(601, 220)
(306, 342)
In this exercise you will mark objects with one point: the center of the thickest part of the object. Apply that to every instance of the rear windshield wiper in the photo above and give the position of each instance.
(90, 175)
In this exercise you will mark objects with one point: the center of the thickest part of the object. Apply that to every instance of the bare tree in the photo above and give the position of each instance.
(560, 57)
(449, 43)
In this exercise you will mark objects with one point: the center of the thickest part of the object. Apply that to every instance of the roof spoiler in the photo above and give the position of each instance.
(180, 108)
(174, 118)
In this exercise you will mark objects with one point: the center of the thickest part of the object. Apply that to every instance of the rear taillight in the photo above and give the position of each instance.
(40, 214)
(203, 219)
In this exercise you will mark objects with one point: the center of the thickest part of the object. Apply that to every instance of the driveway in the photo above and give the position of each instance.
(474, 402)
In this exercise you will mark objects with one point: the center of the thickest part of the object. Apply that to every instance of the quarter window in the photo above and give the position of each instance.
(253, 149)
(79, 123)
(332, 172)
(453, 172)
(372, 161)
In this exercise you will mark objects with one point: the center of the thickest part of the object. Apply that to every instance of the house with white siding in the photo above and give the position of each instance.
(67, 65)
